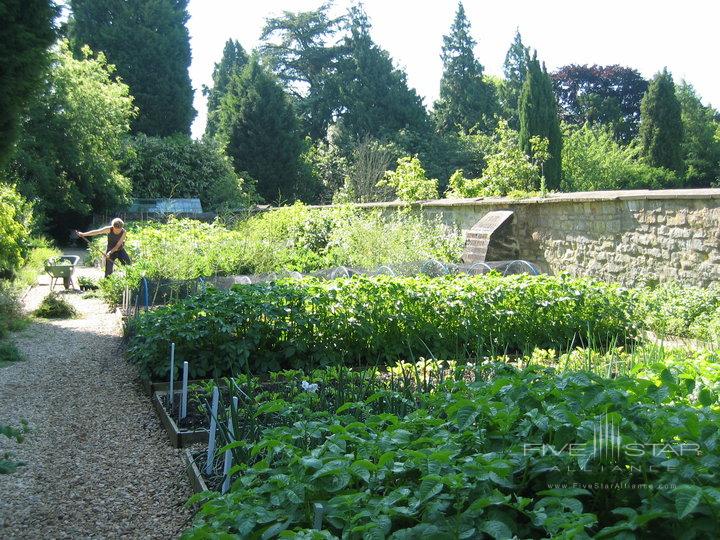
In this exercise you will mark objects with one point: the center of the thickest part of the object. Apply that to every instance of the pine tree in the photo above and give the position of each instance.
(232, 62)
(466, 100)
(259, 131)
(25, 34)
(539, 117)
(515, 70)
(149, 44)
(661, 129)
(375, 98)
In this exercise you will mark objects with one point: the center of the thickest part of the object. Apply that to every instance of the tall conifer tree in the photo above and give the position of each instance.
(259, 130)
(539, 117)
(466, 100)
(375, 98)
(149, 44)
(515, 70)
(26, 31)
(232, 62)
(661, 129)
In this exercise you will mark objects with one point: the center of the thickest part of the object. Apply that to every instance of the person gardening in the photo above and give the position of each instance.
(116, 234)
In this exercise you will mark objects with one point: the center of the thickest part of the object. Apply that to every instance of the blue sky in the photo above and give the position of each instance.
(646, 35)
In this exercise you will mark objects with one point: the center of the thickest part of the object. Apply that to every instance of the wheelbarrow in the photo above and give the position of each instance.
(61, 268)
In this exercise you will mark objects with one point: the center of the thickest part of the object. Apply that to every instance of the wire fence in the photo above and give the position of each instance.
(156, 292)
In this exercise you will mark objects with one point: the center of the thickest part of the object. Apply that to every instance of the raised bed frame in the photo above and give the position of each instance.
(178, 438)
(194, 475)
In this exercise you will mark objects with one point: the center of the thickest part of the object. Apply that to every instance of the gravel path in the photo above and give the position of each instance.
(98, 465)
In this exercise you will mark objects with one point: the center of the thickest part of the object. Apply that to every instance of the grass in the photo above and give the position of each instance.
(9, 354)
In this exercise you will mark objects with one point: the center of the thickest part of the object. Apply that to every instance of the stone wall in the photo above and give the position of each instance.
(622, 236)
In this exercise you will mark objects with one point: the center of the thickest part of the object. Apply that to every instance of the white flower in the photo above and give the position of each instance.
(309, 387)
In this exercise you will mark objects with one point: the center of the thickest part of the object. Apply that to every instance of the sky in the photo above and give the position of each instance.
(642, 34)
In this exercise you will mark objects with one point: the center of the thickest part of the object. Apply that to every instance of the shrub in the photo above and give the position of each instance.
(8, 353)
(15, 229)
(54, 306)
(11, 313)
(181, 167)
(593, 160)
(409, 181)
(364, 320)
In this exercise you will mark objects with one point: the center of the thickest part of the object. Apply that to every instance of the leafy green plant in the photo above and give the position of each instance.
(365, 320)
(15, 230)
(488, 456)
(53, 306)
(409, 181)
(7, 463)
(12, 317)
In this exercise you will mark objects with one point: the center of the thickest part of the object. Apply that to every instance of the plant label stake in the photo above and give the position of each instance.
(211, 438)
(172, 374)
(228, 453)
(183, 402)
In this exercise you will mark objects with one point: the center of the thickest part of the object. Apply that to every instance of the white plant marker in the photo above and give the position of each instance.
(213, 426)
(183, 402)
(228, 453)
(318, 517)
(172, 374)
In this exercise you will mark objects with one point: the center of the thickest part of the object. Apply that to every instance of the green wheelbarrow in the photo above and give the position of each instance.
(61, 268)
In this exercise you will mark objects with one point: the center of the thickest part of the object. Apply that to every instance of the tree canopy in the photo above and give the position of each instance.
(661, 128)
(233, 60)
(538, 117)
(149, 44)
(466, 101)
(25, 34)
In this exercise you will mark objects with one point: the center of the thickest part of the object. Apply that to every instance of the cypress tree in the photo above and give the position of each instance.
(539, 116)
(466, 100)
(25, 34)
(260, 132)
(149, 44)
(661, 129)
(514, 69)
(233, 60)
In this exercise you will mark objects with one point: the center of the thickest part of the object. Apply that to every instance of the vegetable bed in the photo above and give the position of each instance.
(304, 324)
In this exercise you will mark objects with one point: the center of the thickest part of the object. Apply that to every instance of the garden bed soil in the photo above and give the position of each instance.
(192, 429)
(195, 459)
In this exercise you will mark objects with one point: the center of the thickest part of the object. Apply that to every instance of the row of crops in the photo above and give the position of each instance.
(449, 407)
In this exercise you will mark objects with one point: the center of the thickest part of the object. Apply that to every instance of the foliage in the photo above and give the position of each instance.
(609, 96)
(661, 128)
(16, 222)
(11, 312)
(27, 31)
(71, 145)
(486, 458)
(700, 147)
(366, 167)
(672, 309)
(53, 306)
(515, 71)
(40, 252)
(233, 60)
(181, 167)
(460, 187)
(375, 98)
(367, 320)
(290, 238)
(299, 48)
(259, 131)
(593, 160)
(329, 168)
(9, 353)
(149, 44)
(467, 102)
(409, 181)
(538, 117)
(7, 463)
(508, 167)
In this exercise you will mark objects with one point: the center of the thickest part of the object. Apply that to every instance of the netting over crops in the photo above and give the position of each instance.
(163, 291)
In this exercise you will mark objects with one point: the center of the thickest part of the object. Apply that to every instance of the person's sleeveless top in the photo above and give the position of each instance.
(113, 238)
